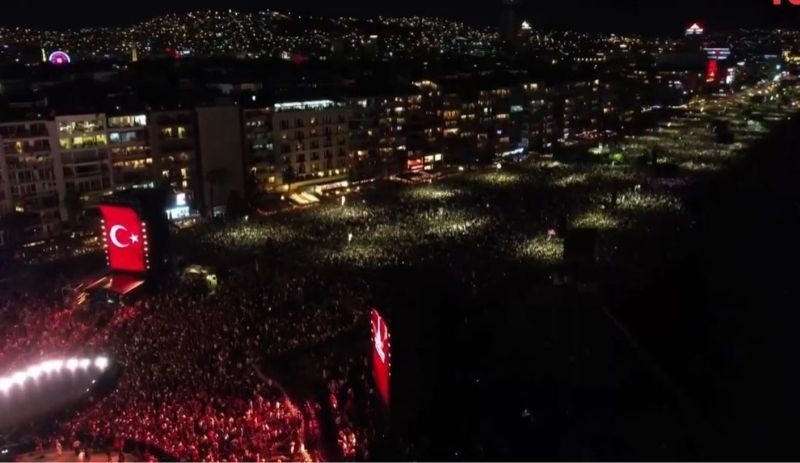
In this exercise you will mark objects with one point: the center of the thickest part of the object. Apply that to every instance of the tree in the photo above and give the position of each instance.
(19, 227)
(74, 206)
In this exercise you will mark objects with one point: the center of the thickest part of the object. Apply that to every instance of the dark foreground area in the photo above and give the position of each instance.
(723, 322)
(675, 345)
(691, 358)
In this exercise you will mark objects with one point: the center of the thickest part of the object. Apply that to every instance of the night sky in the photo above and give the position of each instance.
(641, 16)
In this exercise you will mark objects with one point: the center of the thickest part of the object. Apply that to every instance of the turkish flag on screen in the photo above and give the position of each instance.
(381, 354)
(122, 232)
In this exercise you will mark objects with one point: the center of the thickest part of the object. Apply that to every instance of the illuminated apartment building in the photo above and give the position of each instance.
(129, 151)
(29, 171)
(311, 142)
(378, 133)
(83, 150)
(173, 141)
(259, 148)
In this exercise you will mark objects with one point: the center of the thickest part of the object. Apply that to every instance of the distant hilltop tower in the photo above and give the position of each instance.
(695, 30)
(134, 53)
(508, 20)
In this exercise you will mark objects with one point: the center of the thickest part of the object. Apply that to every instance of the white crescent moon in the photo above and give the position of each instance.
(379, 340)
(112, 235)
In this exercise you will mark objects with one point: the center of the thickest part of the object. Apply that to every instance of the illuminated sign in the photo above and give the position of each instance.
(731, 76)
(125, 238)
(718, 53)
(59, 58)
(178, 212)
(711, 70)
(514, 152)
(304, 105)
(381, 354)
(416, 164)
(694, 29)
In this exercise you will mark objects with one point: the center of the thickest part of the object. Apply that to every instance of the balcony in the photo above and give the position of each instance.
(27, 149)
(127, 122)
(38, 131)
(166, 120)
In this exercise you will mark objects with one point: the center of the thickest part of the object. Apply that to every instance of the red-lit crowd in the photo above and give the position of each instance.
(352, 400)
(33, 327)
(189, 385)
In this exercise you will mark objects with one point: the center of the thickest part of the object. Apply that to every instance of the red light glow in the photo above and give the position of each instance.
(416, 164)
(125, 239)
(381, 354)
(711, 70)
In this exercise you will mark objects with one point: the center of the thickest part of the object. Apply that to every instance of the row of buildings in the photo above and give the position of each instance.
(54, 165)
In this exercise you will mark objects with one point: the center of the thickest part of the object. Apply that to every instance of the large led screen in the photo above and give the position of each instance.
(125, 239)
(381, 354)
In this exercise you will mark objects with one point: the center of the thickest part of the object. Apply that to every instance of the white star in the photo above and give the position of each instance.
(134, 238)
(379, 342)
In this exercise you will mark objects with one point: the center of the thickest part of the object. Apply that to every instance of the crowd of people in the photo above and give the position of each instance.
(352, 399)
(291, 283)
(34, 325)
(190, 358)
(190, 385)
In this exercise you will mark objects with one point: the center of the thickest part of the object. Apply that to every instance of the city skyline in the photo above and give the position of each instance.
(621, 16)
(502, 231)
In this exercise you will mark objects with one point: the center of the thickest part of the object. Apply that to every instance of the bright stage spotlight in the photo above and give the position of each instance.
(51, 366)
(19, 378)
(35, 371)
(101, 363)
(5, 384)
(72, 364)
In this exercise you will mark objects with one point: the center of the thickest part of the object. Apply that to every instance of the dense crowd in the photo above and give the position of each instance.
(33, 326)
(352, 400)
(190, 385)
(192, 358)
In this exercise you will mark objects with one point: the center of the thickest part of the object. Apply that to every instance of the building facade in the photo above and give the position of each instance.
(86, 172)
(29, 168)
(220, 150)
(173, 140)
(297, 144)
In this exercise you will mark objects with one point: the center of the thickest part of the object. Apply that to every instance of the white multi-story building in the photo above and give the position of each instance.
(310, 139)
(260, 151)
